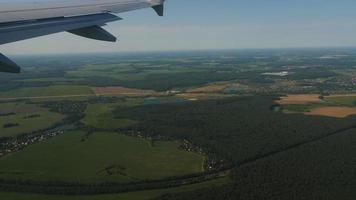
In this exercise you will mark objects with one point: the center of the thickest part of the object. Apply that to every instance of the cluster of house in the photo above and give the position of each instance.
(15, 144)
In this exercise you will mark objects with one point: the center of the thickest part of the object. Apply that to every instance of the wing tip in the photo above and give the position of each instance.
(7, 65)
(159, 9)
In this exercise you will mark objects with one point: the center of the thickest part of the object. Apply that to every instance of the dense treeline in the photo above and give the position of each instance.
(319, 170)
(239, 129)
(258, 142)
(73, 188)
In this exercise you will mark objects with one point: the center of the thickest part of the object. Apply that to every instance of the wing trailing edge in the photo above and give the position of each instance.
(159, 9)
(95, 33)
(85, 26)
(6, 65)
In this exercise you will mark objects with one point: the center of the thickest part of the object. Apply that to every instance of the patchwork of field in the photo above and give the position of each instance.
(185, 99)
(20, 118)
(99, 157)
(338, 106)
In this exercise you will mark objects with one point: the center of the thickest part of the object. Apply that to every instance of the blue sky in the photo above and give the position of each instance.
(216, 24)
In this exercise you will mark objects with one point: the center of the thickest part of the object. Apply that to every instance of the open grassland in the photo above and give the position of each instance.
(140, 195)
(100, 115)
(210, 88)
(339, 112)
(202, 96)
(50, 91)
(299, 99)
(99, 157)
(346, 100)
(20, 118)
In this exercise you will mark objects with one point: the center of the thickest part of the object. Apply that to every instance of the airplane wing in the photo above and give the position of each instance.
(20, 21)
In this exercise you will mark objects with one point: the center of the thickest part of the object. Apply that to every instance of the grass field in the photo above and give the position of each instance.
(99, 157)
(346, 100)
(211, 88)
(100, 115)
(58, 90)
(141, 195)
(25, 119)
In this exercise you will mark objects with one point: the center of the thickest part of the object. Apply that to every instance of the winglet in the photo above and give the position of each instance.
(159, 9)
(6, 65)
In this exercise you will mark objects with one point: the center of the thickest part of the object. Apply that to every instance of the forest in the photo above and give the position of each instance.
(267, 150)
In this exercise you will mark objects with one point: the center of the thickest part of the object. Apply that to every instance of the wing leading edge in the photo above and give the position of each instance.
(86, 25)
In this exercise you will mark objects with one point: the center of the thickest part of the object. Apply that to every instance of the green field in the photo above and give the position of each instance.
(100, 115)
(301, 107)
(58, 90)
(25, 118)
(99, 157)
(342, 100)
(141, 195)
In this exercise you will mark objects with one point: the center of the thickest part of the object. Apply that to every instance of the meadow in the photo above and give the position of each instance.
(343, 100)
(56, 90)
(99, 157)
(100, 115)
(21, 118)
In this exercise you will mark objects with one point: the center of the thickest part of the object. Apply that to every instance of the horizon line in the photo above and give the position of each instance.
(186, 50)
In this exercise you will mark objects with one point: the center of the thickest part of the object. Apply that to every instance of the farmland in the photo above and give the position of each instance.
(345, 100)
(300, 99)
(50, 91)
(254, 124)
(339, 112)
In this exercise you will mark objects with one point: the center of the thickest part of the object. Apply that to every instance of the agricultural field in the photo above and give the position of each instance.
(339, 112)
(344, 100)
(338, 106)
(99, 157)
(122, 91)
(43, 92)
(211, 88)
(299, 99)
(21, 118)
(101, 116)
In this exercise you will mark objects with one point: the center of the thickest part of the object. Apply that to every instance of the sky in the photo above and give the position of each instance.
(214, 24)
